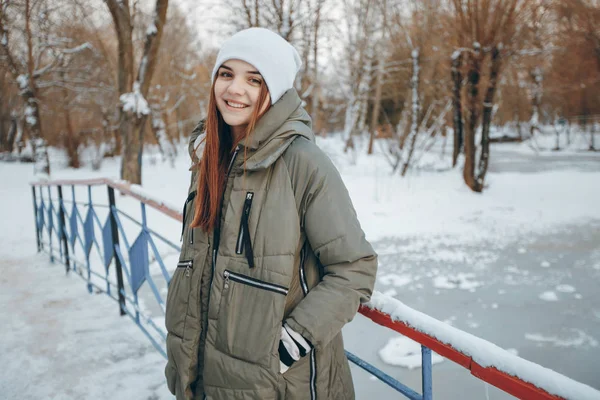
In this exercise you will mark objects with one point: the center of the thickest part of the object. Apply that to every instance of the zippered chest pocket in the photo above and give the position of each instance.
(186, 221)
(250, 316)
(244, 241)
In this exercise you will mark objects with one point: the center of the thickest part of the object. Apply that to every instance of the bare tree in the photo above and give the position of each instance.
(486, 31)
(25, 74)
(134, 109)
(36, 54)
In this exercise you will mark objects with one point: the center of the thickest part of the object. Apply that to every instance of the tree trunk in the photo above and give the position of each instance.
(488, 105)
(536, 100)
(132, 120)
(416, 105)
(71, 140)
(316, 89)
(457, 106)
(32, 110)
(131, 162)
(12, 133)
(592, 133)
(377, 101)
(472, 116)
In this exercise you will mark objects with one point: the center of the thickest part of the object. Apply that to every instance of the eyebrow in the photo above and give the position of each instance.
(248, 72)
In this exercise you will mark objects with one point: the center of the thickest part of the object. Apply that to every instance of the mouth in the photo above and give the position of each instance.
(235, 104)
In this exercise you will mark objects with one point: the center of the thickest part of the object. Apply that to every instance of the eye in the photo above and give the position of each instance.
(255, 81)
(225, 74)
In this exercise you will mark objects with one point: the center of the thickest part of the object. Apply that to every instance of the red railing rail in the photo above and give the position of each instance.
(429, 332)
(123, 187)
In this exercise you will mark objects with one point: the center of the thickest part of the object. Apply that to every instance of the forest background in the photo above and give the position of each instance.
(112, 76)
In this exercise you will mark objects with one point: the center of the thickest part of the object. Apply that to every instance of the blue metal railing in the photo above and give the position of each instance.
(78, 237)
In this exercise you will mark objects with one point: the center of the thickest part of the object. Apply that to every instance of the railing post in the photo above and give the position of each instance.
(35, 213)
(115, 241)
(426, 377)
(62, 230)
(50, 223)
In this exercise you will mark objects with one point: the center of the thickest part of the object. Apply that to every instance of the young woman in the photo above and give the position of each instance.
(274, 261)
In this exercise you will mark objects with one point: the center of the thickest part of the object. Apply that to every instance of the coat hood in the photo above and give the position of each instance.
(276, 130)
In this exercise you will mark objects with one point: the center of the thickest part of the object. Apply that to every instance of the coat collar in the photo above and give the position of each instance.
(275, 131)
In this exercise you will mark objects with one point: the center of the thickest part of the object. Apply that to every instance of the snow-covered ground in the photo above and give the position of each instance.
(518, 265)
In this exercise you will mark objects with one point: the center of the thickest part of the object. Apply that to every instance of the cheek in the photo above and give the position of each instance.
(220, 87)
(253, 93)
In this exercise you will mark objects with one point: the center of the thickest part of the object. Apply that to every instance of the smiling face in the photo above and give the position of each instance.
(237, 91)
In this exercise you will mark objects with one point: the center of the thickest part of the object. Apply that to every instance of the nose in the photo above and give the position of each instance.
(236, 87)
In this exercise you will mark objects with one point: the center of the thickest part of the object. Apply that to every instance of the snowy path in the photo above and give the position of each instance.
(60, 342)
(57, 341)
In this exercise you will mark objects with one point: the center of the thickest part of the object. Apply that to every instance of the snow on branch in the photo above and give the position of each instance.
(483, 352)
(23, 81)
(79, 48)
(134, 102)
(151, 29)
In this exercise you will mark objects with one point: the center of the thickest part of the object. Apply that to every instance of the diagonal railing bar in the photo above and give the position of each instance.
(138, 274)
(158, 235)
(383, 377)
(123, 236)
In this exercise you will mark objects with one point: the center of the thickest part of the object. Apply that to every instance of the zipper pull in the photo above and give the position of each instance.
(188, 271)
(226, 284)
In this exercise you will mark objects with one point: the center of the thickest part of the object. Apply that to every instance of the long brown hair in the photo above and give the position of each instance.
(219, 144)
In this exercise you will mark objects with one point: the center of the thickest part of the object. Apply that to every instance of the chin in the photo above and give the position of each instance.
(233, 121)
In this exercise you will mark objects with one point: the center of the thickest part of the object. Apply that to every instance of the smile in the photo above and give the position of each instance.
(233, 104)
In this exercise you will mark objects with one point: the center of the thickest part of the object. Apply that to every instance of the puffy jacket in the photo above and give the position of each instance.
(289, 248)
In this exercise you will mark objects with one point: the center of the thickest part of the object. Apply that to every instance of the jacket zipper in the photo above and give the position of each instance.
(189, 198)
(246, 280)
(312, 380)
(217, 230)
(244, 242)
(188, 265)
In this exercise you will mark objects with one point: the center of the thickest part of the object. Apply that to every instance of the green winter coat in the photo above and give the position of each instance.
(289, 248)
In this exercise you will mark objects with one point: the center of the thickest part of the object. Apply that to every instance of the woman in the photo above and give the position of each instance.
(274, 261)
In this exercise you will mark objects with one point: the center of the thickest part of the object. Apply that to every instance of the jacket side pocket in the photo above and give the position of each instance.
(249, 321)
(177, 297)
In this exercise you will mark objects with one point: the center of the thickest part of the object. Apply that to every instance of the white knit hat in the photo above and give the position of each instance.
(277, 61)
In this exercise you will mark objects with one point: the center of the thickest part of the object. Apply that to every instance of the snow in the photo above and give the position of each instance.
(30, 115)
(22, 81)
(483, 352)
(79, 48)
(463, 281)
(134, 102)
(4, 39)
(564, 288)
(498, 216)
(151, 29)
(548, 296)
(426, 210)
(405, 352)
(545, 264)
(59, 341)
(394, 279)
(578, 339)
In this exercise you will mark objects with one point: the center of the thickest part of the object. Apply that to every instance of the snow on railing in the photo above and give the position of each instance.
(488, 362)
(485, 360)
